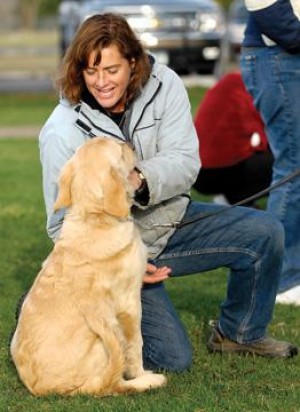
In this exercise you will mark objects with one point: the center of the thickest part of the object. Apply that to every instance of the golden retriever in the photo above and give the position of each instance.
(79, 328)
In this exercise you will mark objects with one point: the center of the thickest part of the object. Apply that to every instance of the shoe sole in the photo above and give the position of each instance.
(289, 353)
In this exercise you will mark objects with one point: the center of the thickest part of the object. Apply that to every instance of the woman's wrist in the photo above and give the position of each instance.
(140, 178)
(141, 195)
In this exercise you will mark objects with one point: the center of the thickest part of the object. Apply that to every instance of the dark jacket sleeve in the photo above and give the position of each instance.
(279, 23)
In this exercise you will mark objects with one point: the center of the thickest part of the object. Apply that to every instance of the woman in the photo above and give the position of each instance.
(109, 86)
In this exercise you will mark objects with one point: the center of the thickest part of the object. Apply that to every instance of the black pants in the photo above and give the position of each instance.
(237, 182)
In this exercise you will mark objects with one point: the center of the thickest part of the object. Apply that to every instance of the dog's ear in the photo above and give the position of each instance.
(115, 200)
(64, 198)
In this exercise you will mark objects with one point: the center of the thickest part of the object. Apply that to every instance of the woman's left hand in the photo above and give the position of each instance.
(155, 275)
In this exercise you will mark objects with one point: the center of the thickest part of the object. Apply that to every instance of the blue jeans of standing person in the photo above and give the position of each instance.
(272, 76)
(247, 241)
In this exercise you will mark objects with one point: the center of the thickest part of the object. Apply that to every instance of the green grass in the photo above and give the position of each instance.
(34, 108)
(195, 95)
(26, 109)
(214, 383)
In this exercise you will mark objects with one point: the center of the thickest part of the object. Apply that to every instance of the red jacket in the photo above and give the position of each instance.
(225, 122)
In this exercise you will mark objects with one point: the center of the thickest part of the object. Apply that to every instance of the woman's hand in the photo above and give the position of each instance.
(155, 275)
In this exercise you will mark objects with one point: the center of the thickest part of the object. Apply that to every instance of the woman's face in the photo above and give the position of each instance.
(108, 81)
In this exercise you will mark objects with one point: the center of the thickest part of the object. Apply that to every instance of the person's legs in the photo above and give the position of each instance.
(250, 244)
(247, 241)
(272, 77)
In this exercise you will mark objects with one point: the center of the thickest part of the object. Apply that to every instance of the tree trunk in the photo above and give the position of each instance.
(28, 13)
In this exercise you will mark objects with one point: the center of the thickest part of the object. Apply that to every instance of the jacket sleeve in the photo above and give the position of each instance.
(278, 21)
(174, 168)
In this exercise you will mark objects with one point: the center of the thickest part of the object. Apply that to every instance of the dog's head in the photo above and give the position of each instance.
(95, 180)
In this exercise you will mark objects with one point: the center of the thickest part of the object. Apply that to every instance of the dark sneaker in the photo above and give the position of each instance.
(267, 347)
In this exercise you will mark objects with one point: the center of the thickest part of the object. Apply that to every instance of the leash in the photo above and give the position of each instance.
(202, 216)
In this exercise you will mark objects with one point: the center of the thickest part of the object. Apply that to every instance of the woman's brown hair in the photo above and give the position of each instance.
(95, 33)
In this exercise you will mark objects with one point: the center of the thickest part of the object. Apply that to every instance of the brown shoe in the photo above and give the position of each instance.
(267, 347)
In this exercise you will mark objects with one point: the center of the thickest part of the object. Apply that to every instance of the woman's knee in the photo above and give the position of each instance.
(161, 358)
(272, 230)
(166, 345)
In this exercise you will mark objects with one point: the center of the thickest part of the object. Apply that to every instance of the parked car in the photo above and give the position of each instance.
(68, 21)
(186, 35)
(236, 24)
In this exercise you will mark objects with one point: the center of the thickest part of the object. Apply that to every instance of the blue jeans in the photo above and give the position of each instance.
(272, 77)
(250, 244)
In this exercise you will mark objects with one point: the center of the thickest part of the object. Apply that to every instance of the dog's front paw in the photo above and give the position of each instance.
(155, 380)
(144, 382)
(134, 372)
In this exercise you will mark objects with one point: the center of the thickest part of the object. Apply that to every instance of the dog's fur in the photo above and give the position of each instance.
(79, 329)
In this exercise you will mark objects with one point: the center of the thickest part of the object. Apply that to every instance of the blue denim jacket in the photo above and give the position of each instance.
(162, 132)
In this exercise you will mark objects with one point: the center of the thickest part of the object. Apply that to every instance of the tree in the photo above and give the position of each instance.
(49, 7)
(28, 10)
(31, 10)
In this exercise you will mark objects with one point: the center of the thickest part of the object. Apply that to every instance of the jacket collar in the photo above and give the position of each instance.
(98, 123)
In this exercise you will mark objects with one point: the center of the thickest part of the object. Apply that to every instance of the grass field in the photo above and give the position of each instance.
(214, 383)
(34, 108)
(26, 109)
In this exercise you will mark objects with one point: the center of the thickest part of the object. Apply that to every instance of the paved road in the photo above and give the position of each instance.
(19, 132)
(16, 82)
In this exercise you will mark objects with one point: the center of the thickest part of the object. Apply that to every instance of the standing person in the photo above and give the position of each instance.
(270, 64)
(111, 87)
(235, 158)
